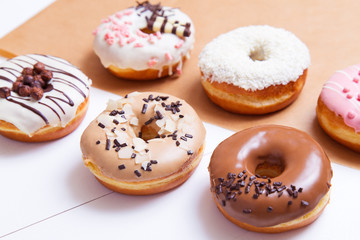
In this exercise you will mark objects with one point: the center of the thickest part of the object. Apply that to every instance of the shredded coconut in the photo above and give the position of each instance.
(254, 57)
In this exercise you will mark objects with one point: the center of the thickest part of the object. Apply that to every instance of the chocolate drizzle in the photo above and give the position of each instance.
(37, 112)
(12, 69)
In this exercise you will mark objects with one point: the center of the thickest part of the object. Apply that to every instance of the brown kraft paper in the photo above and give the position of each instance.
(329, 28)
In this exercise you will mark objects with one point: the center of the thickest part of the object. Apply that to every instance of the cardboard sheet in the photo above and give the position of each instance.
(329, 28)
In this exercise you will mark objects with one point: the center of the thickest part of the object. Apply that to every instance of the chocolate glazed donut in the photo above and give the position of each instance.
(265, 177)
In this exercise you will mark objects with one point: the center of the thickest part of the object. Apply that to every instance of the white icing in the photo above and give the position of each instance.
(227, 57)
(26, 120)
(139, 48)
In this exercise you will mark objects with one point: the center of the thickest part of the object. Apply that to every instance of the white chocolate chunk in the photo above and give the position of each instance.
(174, 117)
(160, 123)
(121, 136)
(133, 94)
(111, 105)
(120, 119)
(141, 158)
(159, 140)
(125, 152)
(134, 121)
(139, 144)
(105, 119)
(144, 165)
(170, 125)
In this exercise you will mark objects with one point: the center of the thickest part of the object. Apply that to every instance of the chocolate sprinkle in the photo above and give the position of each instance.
(247, 210)
(190, 152)
(144, 108)
(133, 155)
(107, 146)
(116, 121)
(149, 121)
(230, 187)
(121, 167)
(116, 142)
(101, 125)
(159, 115)
(188, 135)
(269, 209)
(304, 203)
(153, 161)
(97, 142)
(137, 173)
(113, 113)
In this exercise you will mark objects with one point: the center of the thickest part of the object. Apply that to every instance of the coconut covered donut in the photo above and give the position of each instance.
(144, 42)
(254, 70)
(144, 143)
(270, 178)
(338, 108)
(41, 97)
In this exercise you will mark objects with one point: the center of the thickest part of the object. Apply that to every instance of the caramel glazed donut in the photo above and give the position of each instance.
(145, 42)
(144, 143)
(41, 97)
(338, 109)
(254, 70)
(270, 178)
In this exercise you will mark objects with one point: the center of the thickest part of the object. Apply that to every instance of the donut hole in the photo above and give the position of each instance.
(148, 132)
(271, 166)
(257, 54)
(147, 31)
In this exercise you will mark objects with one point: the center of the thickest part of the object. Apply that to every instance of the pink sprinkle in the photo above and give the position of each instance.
(105, 20)
(136, 45)
(168, 56)
(356, 80)
(108, 35)
(118, 15)
(359, 73)
(128, 12)
(349, 96)
(128, 22)
(351, 115)
(124, 30)
(110, 41)
(158, 34)
(121, 42)
(151, 39)
(152, 62)
(141, 34)
(179, 44)
(345, 90)
(358, 98)
(131, 40)
(95, 31)
(178, 71)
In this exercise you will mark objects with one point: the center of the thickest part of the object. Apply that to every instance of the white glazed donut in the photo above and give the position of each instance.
(58, 111)
(155, 40)
(239, 67)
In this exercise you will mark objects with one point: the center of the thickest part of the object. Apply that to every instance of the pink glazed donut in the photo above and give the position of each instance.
(338, 109)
